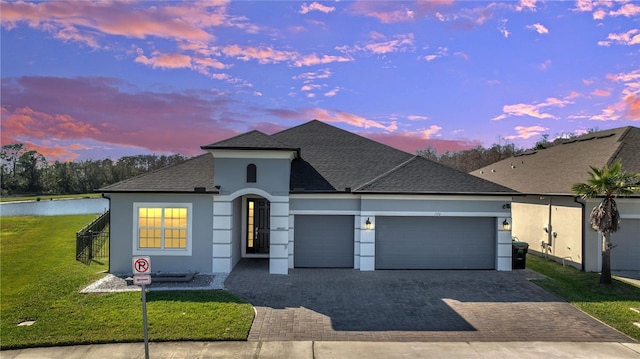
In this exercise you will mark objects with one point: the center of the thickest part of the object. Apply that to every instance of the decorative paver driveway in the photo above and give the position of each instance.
(444, 305)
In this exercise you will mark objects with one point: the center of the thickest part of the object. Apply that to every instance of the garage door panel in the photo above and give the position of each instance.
(435, 243)
(626, 254)
(323, 241)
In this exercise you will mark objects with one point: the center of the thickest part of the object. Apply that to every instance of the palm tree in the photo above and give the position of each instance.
(609, 182)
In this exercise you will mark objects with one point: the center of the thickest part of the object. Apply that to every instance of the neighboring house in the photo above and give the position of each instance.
(555, 222)
(310, 196)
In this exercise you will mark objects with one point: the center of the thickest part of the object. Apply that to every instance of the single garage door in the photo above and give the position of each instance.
(626, 254)
(435, 243)
(323, 241)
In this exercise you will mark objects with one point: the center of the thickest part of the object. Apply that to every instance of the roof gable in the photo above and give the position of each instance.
(554, 170)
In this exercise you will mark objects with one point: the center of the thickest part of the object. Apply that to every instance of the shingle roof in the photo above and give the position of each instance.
(329, 160)
(554, 170)
(250, 140)
(335, 159)
(420, 175)
(182, 177)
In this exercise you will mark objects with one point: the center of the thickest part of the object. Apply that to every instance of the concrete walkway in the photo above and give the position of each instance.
(335, 350)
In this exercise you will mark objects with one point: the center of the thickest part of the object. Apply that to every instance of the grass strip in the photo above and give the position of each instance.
(610, 304)
(41, 280)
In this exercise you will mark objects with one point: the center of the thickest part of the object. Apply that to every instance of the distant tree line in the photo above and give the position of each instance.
(25, 171)
(478, 157)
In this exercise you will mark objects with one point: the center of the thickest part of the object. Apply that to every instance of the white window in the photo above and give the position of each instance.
(162, 228)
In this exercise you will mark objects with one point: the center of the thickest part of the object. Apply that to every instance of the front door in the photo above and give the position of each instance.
(258, 228)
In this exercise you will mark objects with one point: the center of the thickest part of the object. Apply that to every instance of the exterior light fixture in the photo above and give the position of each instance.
(367, 224)
(506, 225)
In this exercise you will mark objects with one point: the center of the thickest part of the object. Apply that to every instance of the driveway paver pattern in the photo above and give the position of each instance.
(415, 305)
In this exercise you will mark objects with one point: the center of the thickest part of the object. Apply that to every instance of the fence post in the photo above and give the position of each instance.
(90, 244)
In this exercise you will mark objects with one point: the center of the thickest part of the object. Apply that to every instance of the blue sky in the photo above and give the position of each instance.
(84, 79)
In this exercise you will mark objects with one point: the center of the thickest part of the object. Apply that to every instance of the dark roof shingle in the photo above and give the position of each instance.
(182, 177)
(329, 160)
(554, 170)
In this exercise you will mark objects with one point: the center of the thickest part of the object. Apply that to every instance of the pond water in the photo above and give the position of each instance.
(54, 207)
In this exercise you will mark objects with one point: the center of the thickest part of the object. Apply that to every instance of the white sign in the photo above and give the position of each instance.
(141, 265)
(142, 279)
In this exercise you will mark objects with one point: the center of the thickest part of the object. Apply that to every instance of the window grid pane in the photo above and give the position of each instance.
(162, 228)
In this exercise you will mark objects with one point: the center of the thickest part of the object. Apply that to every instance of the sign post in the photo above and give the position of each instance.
(142, 277)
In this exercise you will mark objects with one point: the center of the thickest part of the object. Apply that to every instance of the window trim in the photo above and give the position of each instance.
(162, 251)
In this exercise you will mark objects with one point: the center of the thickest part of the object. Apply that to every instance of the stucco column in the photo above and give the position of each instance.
(222, 224)
(279, 238)
(503, 240)
(367, 243)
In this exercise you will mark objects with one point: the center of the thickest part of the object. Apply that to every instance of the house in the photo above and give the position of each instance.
(311, 196)
(551, 219)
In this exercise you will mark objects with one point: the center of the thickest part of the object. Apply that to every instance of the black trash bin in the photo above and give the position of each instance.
(519, 254)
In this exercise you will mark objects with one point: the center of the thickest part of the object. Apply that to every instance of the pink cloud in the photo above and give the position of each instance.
(268, 55)
(402, 43)
(526, 132)
(166, 61)
(539, 28)
(628, 10)
(601, 93)
(412, 142)
(38, 109)
(185, 22)
(532, 110)
(315, 6)
(388, 12)
(633, 112)
(631, 37)
(526, 5)
(332, 116)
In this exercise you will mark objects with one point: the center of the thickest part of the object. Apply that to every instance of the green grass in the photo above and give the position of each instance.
(40, 281)
(50, 197)
(609, 304)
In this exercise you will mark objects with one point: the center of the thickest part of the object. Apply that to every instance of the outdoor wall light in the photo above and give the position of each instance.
(367, 224)
(506, 225)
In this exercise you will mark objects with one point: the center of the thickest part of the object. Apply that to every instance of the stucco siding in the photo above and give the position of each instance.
(121, 240)
(468, 206)
(333, 204)
(236, 234)
(537, 218)
(272, 175)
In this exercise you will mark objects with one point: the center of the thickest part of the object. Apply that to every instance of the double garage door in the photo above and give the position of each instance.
(401, 242)
(435, 243)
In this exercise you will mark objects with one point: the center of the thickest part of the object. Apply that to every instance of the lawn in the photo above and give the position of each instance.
(40, 282)
(610, 304)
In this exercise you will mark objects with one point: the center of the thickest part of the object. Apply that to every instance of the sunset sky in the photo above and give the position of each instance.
(102, 79)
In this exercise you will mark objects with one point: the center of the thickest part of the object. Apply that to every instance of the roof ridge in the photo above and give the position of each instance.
(388, 173)
(621, 144)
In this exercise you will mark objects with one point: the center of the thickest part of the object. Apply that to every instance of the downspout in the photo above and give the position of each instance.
(550, 229)
(582, 206)
(108, 197)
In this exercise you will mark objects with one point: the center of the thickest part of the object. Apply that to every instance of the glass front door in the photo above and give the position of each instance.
(258, 228)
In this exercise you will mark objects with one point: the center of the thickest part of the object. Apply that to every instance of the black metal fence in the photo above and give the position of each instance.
(92, 241)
